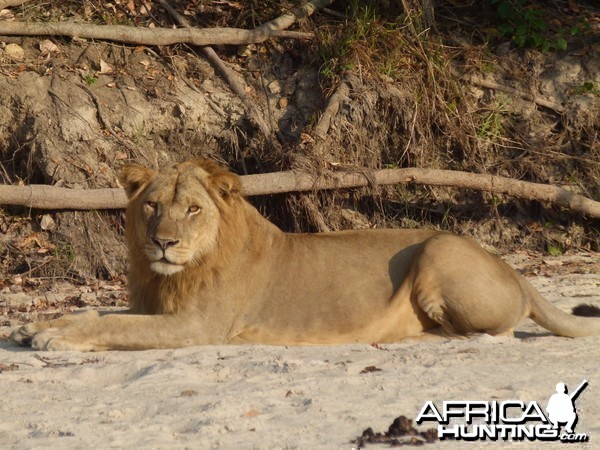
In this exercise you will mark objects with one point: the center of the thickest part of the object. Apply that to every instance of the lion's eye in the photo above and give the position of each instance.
(193, 209)
(151, 205)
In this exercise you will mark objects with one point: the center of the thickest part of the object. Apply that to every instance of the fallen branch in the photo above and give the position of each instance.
(51, 197)
(140, 36)
(168, 36)
(475, 80)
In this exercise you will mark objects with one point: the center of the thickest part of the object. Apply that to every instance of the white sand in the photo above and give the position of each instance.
(296, 397)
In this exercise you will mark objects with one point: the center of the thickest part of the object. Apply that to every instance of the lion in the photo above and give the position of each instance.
(206, 268)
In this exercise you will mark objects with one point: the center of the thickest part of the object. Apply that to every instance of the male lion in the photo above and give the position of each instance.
(207, 268)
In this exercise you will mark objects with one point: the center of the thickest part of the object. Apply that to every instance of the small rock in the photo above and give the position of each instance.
(275, 87)
(16, 288)
(14, 52)
(47, 223)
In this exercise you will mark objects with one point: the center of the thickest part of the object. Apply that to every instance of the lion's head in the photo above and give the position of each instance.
(174, 215)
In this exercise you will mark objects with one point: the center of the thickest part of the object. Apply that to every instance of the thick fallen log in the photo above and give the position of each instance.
(168, 36)
(141, 36)
(56, 198)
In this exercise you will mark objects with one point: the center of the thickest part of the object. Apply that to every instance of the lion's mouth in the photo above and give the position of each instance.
(165, 267)
(166, 261)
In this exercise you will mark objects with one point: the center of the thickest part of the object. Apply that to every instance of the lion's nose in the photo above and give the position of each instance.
(165, 243)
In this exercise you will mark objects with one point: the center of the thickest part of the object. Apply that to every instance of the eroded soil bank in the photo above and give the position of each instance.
(370, 89)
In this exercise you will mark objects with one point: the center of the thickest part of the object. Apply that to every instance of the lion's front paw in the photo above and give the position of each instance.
(68, 332)
(55, 340)
(24, 334)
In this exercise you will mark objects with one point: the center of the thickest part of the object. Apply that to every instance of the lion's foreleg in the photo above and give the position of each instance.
(124, 332)
(24, 334)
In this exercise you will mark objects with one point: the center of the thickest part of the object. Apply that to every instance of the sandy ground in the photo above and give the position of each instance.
(260, 397)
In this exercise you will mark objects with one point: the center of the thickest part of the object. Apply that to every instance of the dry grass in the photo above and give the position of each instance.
(409, 107)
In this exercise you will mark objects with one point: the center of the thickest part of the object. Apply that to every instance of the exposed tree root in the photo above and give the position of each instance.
(51, 197)
(342, 92)
(314, 214)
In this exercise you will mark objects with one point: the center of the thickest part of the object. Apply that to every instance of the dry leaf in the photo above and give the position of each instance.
(131, 7)
(145, 63)
(104, 68)
(47, 47)
(306, 139)
(370, 369)
(8, 367)
(188, 393)
(573, 6)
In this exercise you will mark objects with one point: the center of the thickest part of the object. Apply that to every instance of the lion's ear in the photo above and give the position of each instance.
(134, 177)
(227, 184)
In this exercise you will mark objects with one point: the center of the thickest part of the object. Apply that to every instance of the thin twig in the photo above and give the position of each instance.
(477, 81)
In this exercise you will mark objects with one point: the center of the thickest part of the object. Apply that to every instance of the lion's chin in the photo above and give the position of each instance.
(163, 267)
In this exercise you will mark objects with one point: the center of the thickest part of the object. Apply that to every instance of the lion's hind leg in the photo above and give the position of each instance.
(455, 318)
(435, 307)
(466, 290)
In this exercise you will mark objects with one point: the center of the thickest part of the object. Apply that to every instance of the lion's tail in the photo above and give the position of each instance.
(550, 317)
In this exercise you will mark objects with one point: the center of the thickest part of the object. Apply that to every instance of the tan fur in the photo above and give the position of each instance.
(206, 268)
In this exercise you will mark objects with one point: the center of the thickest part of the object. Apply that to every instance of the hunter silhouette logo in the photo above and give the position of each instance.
(561, 406)
(507, 420)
